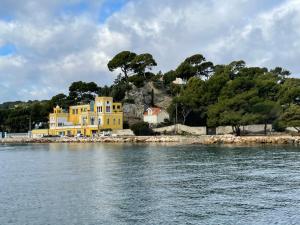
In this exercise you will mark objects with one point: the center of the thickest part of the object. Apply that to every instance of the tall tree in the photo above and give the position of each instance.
(291, 117)
(142, 62)
(195, 65)
(83, 92)
(123, 61)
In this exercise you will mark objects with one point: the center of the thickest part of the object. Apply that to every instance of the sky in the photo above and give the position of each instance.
(45, 45)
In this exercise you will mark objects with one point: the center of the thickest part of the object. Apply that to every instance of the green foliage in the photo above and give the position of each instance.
(137, 80)
(291, 117)
(123, 61)
(142, 62)
(175, 89)
(278, 126)
(169, 77)
(195, 65)
(141, 128)
(130, 63)
(82, 92)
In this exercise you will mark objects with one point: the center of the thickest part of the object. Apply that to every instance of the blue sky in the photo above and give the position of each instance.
(7, 49)
(47, 44)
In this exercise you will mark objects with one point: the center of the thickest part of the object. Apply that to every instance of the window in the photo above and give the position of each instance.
(99, 121)
(107, 102)
(99, 109)
(118, 107)
(114, 121)
(76, 111)
(119, 121)
(108, 109)
(92, 120)
(107, 121)
(73, 111)
(114, 107)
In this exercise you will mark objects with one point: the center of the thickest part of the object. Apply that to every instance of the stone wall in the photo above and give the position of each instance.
(124, 132)
(224, 130)
(17, 135)
(179, 128)
(249, 129)
(291, 130)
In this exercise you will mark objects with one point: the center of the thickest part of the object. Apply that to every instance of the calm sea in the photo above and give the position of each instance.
(148, 184)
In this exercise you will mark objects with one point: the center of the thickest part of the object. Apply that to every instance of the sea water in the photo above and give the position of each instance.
(148, 184)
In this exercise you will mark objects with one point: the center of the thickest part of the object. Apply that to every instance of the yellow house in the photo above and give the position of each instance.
(86, 120)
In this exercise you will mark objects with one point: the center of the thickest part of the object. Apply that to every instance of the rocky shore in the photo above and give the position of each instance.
(205, 140)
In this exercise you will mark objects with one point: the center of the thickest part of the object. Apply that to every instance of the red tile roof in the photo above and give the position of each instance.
(155, 111)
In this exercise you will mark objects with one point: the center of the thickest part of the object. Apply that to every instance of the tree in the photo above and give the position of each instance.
(195, 65)
(83, 92)
(61, 100)
(235, 68)
(142, 62)
(169, 77)
(281, 73)
(141, 128)
(234, 111)
(267, 111)
(185, 103)
(123, 61)
(291, 117)
(119, 88)
(289, 92)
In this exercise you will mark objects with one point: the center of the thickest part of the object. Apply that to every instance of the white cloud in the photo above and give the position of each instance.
(56, 47)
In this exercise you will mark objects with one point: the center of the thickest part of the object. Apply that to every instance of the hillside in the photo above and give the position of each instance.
(137, 100)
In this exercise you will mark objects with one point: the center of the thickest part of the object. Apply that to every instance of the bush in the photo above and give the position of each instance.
(125, 125)
(141, 128)
(137, 80)
(278, 126)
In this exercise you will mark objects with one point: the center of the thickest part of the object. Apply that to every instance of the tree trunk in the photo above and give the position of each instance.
(236, 130)
(265, 128)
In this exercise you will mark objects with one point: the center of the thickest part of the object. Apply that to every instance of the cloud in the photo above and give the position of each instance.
(58, 42)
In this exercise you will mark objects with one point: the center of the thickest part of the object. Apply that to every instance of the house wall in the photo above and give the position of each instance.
(162, 116)
(156, 119)
(152, 119)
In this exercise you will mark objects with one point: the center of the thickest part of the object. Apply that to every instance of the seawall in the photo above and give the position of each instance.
(205, 139)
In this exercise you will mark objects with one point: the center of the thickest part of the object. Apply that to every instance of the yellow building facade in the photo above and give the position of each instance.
(86, 120)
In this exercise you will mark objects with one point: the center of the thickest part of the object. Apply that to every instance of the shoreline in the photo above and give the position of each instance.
(204, 140)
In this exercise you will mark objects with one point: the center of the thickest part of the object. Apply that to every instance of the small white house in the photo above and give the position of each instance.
(179, 81)
(155, 115)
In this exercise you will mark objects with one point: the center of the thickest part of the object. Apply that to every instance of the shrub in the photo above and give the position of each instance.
(125, 125)
(141, 128)
(278, 126)
(137, 80)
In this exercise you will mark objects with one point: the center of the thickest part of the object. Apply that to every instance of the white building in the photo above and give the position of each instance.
(154, 115)
(179, 81)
